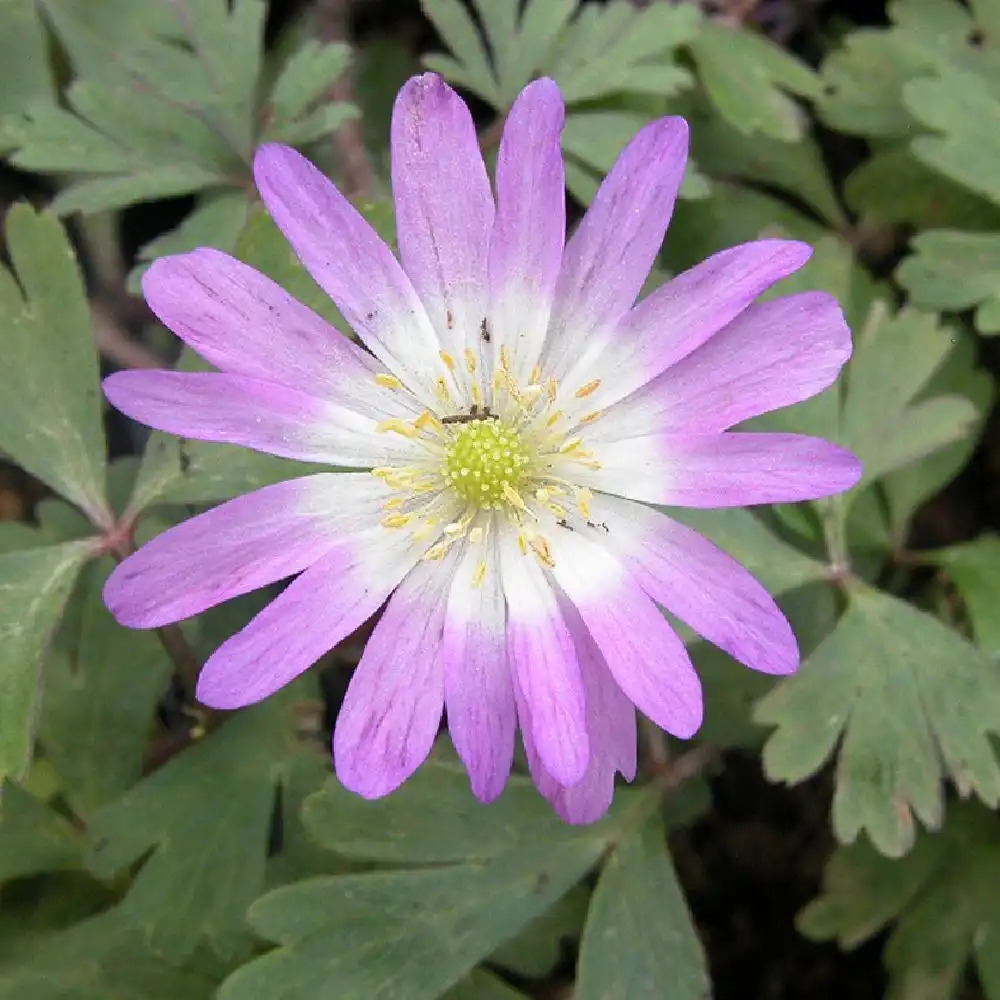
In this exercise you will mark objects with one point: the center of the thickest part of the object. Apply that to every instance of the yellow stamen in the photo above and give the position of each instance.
(583, 498)
(388, 381)
(470, 360)
(397, 426)
(447, 359)
(586, 390)
(479, 575)
(396, 520)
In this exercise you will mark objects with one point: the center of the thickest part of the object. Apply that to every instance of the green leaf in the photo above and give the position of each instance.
(974, 568)
(964, 108)
(103, 683)
(480, 985)
(894, 358)
(410, 934)
(620, 49)
(34, 838)
(34, 587)
(748, 78)
(591, 52)
(893, 187)
(432, 819)
(536, 950)
(863, 84)
(97, 959)
(216, 221)
(953, 270)
(203, 824)
(942, 897)
(50, 401)
(25, 71)
(910, 702)
(639, 934)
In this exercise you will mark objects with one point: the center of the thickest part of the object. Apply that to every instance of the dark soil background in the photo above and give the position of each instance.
(756, 857)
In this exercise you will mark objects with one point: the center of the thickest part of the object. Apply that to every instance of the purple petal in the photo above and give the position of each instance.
(239, 546)
(265, 416)
(610, 254)
(351, 263)
(644, 654)
(526, 244)
(683, 314)
(317, 610)
(703, 586)
(775, 354)
(444, 207)
(392, 710)
(479, 694)
(245, 324)
(611, 726)
(544, 662)
(723, 470)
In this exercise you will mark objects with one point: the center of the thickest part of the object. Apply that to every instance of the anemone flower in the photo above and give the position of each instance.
(514, 419)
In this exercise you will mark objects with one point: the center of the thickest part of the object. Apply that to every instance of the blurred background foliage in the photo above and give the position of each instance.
(831, 834)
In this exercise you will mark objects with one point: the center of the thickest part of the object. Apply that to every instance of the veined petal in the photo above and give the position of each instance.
(645, 656)
(239, 546)
(526, 244)
(608, 257)
(444, 208)
(701, 585)
(775, 354)
(351, 263)
(392, 710)
(309, 617)
(723, 470)
(681, 315)
(265, 416)
(611, 726)
(544, 662)
(479, 694)
(244, 324)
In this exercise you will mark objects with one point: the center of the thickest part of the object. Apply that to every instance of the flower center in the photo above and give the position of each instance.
(485, 461)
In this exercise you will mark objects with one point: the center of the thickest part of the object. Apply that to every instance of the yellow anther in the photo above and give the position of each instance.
(397, 426)
(551, 389)
(479, 575)
(477, 395)
(536, 375)
(393, 502)
(505, 357)
(554, 418)
(586, 390)
(442, 390)
(437, 551)
(583, 498)
(513, 497)
(448, 360)
(522, 544)
(425, 529)
(589, 418)
(476, 535)
(540, 546)
(388, 381)
(470, 360)
(570, 444)
(396, 520)
(426, 419)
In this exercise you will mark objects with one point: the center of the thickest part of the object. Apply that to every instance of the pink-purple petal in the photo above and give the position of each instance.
(702, 585)
(350, 262)
(723, 470)
(244, 324)
(265, 416)
(526, 244)
(444, 207)
(645, 656)
(312, 614)
(239, 546)
(775, 354)
(392, 710)
(608, 257)
(479, 694)
(544, 663)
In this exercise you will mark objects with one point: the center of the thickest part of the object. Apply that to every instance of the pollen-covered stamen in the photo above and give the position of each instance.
(486, 460)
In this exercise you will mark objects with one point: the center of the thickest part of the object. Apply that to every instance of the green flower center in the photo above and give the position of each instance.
(485, 460)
